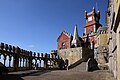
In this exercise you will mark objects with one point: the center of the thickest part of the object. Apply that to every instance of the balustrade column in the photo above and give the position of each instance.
(20, 61)
(10, 56)
(16, 63)
(26, 62)
(6, 51)
(30, 60)
(36, 63)
(2, 49)
(10, 61)
(45, 61)
(40, 63)
(16, 51)
(0, 55)
(23, 62)
(50, 62)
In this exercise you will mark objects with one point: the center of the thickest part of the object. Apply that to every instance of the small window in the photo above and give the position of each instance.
(90, 31)
(63, 45)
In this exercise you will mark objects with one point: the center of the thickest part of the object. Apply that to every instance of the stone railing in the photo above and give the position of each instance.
(20, 59)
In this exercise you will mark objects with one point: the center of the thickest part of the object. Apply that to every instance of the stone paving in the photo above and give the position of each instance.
(58, 75)
(70, 75)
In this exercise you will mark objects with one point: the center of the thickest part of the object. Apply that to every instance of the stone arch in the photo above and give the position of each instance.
(66, 63)
(33, 63)
(1, 59)
(7, 61)
(42, 63)
(12, 61)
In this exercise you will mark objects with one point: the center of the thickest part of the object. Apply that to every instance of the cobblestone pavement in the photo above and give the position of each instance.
(70, 75)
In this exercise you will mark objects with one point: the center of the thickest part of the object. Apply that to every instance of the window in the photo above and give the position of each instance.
(90, 18)
(90, 31)
(63, 45)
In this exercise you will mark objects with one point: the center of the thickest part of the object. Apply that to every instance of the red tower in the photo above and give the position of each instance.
(64, 40)
(91, 26)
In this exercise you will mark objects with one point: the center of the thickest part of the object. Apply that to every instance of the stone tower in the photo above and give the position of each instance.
(92, 21)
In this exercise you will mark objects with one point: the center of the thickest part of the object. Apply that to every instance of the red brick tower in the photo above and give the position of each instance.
(64, 40)
(91, 26)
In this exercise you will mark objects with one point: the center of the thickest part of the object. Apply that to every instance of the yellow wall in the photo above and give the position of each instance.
(118, 51)
(102, 40)
(116, 8)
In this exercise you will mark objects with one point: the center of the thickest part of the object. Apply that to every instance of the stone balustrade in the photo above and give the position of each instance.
(20, 59)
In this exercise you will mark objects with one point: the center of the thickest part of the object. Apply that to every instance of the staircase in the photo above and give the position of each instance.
(81, 67)
(84, 65)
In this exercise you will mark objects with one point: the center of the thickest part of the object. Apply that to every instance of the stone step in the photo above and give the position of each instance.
(80, 67)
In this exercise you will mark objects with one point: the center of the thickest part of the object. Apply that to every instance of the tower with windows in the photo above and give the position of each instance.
(91, 26)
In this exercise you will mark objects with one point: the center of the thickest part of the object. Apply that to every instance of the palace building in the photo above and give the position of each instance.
(66, 40)
(88, 40)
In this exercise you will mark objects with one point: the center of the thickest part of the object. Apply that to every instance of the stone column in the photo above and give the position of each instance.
(15, 63)
(26, 62)
(45, 61)
(16, 53)
(10, 61)
(23, 62)
(10, 56)
(40, 62)
(35, 63)
(20, 61)
(5, 58)
(30, 60)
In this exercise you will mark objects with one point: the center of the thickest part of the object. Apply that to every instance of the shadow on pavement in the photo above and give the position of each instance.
(19, 76)
(10, 77)
(39, 73)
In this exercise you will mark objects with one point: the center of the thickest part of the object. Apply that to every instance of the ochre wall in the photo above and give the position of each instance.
(75, 54)
(117, 20)
(102, 41)
(118, 51)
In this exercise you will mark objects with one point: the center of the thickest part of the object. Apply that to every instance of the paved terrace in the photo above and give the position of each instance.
(58, 75)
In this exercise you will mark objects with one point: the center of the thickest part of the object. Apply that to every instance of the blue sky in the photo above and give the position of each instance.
(36, 24)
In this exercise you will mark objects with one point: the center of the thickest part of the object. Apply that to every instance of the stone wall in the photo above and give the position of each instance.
(102, 40)
(118, 50)
(64, 40)
(75, 54)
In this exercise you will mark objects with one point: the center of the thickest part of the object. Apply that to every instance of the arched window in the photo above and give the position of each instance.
(63, 45)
